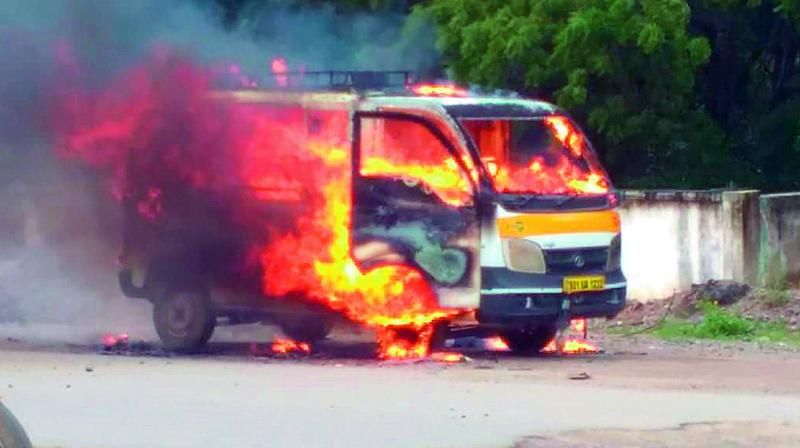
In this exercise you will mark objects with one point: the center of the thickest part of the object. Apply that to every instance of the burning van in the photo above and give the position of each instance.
(399, 205)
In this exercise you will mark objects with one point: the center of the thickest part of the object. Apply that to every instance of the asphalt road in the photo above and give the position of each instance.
(88, 400)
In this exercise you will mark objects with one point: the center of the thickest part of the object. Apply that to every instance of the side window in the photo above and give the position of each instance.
(409, 151)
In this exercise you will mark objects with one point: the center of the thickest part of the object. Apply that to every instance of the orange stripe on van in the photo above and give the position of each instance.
(555, 223)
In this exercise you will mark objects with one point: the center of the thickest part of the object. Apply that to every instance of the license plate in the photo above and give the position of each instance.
(584, 283)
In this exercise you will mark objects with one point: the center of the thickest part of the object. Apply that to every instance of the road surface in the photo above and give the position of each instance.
(74, 397)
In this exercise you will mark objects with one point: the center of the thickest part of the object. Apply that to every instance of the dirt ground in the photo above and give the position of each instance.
(637, 392)
(760, 304)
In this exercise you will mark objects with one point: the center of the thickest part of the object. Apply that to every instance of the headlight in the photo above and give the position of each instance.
(523, 256)
(614, 254)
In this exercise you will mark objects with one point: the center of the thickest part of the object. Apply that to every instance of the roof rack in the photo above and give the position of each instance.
(342, 79)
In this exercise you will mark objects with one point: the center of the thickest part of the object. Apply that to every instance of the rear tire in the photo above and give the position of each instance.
(184, 319)
(11, 433)
(529, 341)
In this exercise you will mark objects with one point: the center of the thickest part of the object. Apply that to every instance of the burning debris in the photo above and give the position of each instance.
(118, 341)
(448, 357)
(286, 346)
(122, 344)
(573, 344)
(496, 344)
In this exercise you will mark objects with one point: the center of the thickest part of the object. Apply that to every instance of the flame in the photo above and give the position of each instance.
(156, 135)
(279, 69)
(111, 340)
(448, 184)
(573, 344)
(439, 90)
(561, 177)
(578, 326)
(565, 133)
(285, 346)
(577, 345)
(496, 344)
(448, 357)
(573, 170)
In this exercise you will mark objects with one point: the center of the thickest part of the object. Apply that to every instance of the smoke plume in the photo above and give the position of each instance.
(60, 228)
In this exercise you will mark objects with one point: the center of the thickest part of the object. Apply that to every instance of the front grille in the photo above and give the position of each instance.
(571, 261)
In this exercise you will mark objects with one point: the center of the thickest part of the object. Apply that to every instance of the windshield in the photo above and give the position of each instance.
(547, 155)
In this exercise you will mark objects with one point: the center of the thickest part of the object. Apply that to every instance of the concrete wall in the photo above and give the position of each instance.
(779, 256)
(672, 239)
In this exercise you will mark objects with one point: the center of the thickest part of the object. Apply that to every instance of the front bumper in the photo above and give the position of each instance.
(518, 299)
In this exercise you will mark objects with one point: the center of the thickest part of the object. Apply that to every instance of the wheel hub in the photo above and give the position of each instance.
(180, 315)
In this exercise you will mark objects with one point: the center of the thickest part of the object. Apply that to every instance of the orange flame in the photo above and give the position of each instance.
(578, 325)
(448, 357)
(285, 346)
(573, 344)
(439, 90)
(160, 116)
(571, 171)
(496, 344)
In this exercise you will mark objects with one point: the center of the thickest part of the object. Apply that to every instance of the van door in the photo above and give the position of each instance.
(414, 202)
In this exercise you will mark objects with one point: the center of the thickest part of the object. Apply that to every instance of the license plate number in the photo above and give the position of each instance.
(584, 283)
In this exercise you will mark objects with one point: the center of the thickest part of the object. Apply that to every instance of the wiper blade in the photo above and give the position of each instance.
(565, 200)
(516, 199)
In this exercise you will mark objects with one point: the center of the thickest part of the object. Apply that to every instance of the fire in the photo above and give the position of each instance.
(565, 133)
(157, 136)
(579, 326)
(448, 357)
(565, 168)
(111, 340)
(279, 69)
(496, 344)
(573, 344)
(448, 184)
(576, 345)
(285, 346)
(439, 90)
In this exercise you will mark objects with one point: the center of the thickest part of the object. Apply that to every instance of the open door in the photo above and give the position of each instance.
(414, 203)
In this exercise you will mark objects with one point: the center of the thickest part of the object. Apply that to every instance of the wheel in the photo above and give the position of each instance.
(529, 341)
(184, 320)
(310, 328)
(439, 335)
(11, 433)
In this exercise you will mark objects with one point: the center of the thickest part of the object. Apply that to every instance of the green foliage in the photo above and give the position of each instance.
(776, 297)
(627, 68)
(775, 275)
(675, 93)
(721, 324)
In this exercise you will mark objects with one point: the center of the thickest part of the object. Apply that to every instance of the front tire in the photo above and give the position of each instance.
(184, 320)
(529, 341)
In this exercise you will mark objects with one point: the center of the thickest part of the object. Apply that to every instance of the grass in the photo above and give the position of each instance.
(721, 324)
(775, 297)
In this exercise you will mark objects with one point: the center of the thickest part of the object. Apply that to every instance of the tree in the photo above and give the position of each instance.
(627, 68)
(674, 93)
(751, 85)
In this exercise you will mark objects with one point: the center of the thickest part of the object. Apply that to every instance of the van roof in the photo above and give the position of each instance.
(469, 106)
